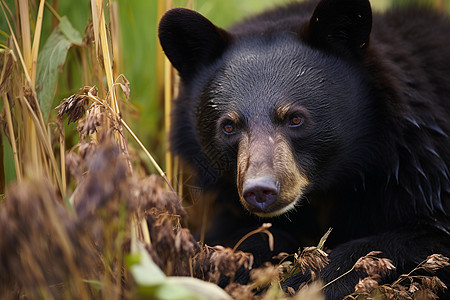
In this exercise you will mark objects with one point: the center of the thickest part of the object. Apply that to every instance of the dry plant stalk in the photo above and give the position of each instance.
(62, 250)
(36, 40)
(35, 156)
(369, 264)
(407, 286)
(167, 83)
(309, 259)
(373, 265)
(262, 229)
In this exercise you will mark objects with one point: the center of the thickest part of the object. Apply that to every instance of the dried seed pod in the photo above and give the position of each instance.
(227, 262)
(265, 275)
(312, 259)
(74, 106)
(371, 265)
(435, 262)
(94, 118)
(367, 284)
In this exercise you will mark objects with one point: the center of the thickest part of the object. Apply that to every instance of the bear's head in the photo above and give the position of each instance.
(282, 113)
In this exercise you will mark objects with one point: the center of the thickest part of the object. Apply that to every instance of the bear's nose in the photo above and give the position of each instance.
(261, 192)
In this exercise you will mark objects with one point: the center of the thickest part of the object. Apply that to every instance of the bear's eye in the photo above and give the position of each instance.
(296, 121)
(228, 129)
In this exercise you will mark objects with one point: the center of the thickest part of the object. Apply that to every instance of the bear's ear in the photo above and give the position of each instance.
(341, 26)
(190, 40)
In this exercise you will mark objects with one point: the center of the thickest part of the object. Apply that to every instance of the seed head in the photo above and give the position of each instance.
(312, 259)
(367, 284)
(74, 106)
(435, 262)
(371, 265)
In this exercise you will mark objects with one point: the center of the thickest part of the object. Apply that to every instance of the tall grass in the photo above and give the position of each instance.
(80, 217)
(29, 74)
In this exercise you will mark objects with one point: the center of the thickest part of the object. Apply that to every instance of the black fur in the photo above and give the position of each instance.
(374, 146)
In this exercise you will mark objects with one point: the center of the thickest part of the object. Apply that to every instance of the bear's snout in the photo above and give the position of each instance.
(261, 192)
(269, 181)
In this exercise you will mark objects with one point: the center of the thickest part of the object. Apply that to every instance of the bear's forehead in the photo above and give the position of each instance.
(259, 76)
(271, 58)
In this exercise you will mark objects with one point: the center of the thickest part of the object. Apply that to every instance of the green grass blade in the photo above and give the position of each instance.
(51, 59)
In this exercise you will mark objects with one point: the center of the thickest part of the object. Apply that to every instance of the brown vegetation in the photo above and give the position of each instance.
(72, 223)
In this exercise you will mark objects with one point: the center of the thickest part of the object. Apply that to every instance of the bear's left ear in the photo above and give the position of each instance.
(190, 41)
(340, 26)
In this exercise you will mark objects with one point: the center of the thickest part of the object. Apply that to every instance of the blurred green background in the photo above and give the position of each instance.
(138, 28)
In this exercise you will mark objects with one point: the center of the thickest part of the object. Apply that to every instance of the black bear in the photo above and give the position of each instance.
(317, 115)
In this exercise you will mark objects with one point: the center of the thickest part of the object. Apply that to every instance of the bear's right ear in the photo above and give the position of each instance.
(190, 40)
(341, 26)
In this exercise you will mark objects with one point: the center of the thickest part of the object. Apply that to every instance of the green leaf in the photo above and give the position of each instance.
(145, 272)
(201, 289)
(8, 161)
(154, 284)
(166, 292)
(70, 33)
(51, 60)
(97, 285)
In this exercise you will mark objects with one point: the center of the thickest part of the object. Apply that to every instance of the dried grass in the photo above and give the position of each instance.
(407, 286)
(68, 228)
